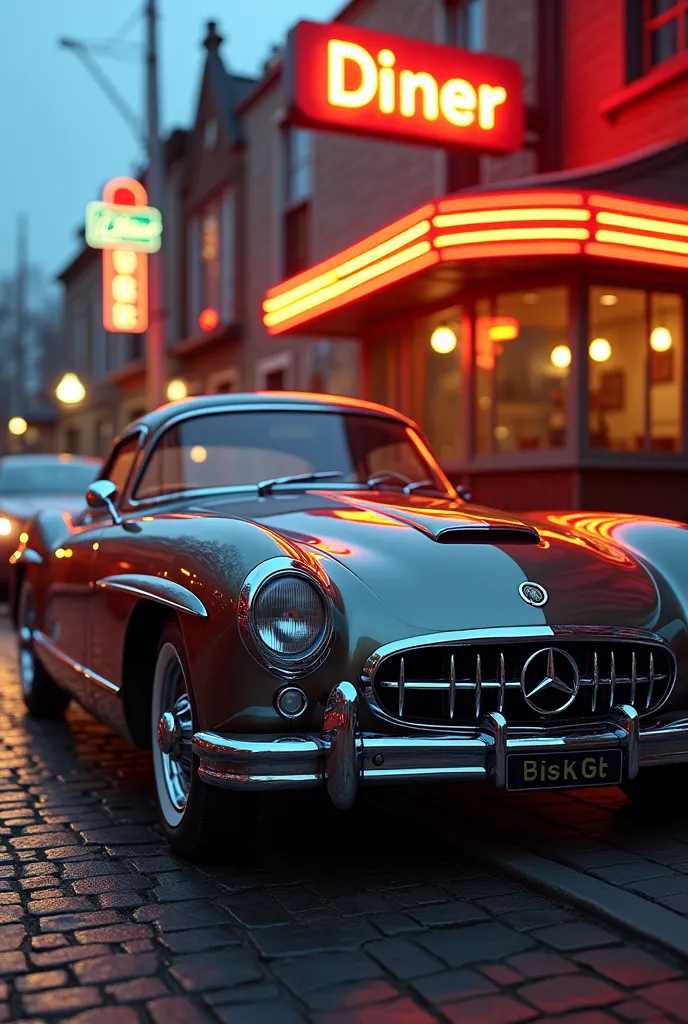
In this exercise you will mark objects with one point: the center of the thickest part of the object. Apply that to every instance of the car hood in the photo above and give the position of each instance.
(24, 506)
(441, 565)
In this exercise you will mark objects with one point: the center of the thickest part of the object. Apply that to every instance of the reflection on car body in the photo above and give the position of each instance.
(281, 591)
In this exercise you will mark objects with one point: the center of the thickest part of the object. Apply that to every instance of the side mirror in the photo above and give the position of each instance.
(102, 494)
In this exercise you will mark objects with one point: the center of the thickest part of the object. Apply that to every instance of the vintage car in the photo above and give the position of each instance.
(29, 483)
(284, 591)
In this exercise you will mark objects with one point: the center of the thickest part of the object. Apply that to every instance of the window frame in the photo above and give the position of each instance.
(294, 207)
(650, 24)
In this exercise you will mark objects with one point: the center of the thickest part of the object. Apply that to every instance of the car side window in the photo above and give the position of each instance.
(121, 462)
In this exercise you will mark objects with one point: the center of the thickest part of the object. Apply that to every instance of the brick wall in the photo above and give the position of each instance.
(594, 70)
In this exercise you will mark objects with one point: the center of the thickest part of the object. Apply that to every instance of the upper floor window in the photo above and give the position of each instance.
(657, 30)
(212, 261)
(297, 189)
(465, 26)
(210, 134)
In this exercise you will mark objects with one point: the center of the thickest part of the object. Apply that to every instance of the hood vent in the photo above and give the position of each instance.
(488, 535)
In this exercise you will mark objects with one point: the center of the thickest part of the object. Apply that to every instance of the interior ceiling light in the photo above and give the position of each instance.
(531, 299)
(661, 340)
(561, 357)
(608, 299)
(443, 340)
(600, 350)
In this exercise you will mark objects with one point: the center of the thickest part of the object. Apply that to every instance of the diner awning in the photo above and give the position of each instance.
(426, 257)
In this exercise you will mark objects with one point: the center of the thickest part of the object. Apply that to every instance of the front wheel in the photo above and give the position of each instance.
(200, 822)
(42, 696)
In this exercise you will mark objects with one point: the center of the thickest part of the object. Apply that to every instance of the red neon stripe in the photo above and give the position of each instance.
(424, 213)
(398, 274)
(507, 200)
(664, 211)
(477, 252)
(622, 252)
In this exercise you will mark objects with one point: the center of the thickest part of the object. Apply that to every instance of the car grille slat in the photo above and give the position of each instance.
(459, 684)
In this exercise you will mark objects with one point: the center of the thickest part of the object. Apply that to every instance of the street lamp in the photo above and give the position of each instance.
(70, 390)
(17, 426)
(177, 391)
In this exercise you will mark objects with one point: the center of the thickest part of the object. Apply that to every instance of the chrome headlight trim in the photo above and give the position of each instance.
(284, 666)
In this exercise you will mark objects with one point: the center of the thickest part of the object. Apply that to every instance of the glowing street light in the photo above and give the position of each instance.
(443, 340)
(70, 390)
(177, 391)
(17, 426)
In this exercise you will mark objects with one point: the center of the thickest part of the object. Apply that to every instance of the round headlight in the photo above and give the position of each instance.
(289, 617)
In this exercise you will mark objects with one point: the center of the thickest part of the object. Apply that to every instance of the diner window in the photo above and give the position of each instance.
(437, 382)
(522, 361)
(635, 358)
(297, 188)
(656, 31)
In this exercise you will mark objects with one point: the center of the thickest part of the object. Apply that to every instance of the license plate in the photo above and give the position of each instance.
(564, 771)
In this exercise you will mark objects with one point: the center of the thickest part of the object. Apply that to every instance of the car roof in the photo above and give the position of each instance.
(44, 459)
(297, 400)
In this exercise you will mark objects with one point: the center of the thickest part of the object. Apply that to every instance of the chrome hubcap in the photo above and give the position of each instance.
(175, 729)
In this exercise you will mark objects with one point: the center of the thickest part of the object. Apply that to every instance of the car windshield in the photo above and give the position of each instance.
(47, 477)
(236, 449)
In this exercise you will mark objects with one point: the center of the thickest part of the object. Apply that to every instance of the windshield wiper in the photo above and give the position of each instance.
(267, 486)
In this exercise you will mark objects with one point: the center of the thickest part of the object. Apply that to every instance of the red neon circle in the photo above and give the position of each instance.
(124, 197)
(209, 319)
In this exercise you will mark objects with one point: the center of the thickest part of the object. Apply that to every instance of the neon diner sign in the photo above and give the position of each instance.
(368, 83)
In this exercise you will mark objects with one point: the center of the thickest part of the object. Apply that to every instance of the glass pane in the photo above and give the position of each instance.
(484, 367)
(616, 360)
(527, 341)
(664, 42)
(661, 6)
(666, 371)
(437, 382)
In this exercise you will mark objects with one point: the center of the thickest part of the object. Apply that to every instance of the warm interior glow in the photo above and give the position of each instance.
(17, 426)
(661, 340)
(600, 350)
(503, 328)
(561, 357)
(177, 390)
(70, 390)
(5, 526)
(198, 454)
(609, 299)
(443, 340)
(209, 319)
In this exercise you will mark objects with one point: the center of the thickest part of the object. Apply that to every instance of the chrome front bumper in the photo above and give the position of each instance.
(342, 758)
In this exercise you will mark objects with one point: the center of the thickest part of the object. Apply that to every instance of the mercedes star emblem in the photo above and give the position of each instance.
(550, 681)
(533, 593)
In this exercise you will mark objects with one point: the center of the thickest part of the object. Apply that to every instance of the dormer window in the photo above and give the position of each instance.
(210, 133)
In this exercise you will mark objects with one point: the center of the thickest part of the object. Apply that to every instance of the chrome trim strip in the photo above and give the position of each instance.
(157, 589)
(49, 648)
(452, 686)
(628, 724)
(400, 686)
(652, 682)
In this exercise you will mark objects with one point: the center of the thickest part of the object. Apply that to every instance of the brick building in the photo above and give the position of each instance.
(545, 359)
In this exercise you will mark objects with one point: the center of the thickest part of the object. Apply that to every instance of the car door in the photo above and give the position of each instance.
(106, 631)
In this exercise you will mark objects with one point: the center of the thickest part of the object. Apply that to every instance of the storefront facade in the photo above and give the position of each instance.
(533, 322)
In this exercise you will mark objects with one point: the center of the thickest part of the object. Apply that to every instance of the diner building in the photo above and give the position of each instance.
(526, 304)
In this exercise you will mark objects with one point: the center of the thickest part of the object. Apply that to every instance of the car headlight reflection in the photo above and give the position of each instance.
(285, 618)
(289, 616)
(6, 526)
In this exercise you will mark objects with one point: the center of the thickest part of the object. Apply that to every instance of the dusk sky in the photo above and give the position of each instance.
(60, 137)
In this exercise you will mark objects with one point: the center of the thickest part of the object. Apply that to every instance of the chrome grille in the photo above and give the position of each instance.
(459, 684)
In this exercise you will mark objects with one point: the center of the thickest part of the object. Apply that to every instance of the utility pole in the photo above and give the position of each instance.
(155, 338)
(19, 389)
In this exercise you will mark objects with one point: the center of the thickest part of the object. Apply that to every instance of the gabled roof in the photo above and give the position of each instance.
(228, 90)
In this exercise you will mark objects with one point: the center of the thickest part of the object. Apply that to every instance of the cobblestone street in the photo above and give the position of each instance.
(362, 918)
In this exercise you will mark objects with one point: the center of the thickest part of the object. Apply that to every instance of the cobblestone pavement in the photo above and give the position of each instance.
(350, 920)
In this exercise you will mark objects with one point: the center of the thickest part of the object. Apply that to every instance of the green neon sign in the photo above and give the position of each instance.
(123, 227)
